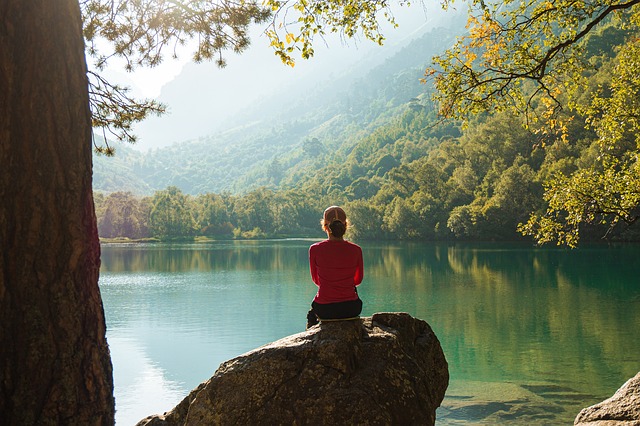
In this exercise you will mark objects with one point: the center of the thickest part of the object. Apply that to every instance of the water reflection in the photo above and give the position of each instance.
(521, 327)
(245, 255)
(139, 381)
(518, 315)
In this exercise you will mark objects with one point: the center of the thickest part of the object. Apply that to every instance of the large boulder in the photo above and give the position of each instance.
(622, 409)
(380, 370)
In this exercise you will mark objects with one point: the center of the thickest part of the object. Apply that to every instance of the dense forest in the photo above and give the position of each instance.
(378, 148)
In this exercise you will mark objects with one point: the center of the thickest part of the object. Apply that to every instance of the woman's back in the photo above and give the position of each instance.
(336, 268)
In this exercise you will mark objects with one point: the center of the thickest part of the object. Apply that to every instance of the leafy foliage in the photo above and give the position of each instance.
(171, 214)
(123, 214)
(546, 61)
(511, 43)
(297, 23)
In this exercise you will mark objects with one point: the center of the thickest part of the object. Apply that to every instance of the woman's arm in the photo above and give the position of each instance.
(359, 275)
(313, 268)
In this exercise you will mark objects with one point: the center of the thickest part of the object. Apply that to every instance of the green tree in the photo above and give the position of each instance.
(515, 195)
(253, 211)
(432, 216)
(295, 212)
(123, 215)
(363, 188)
(365, 220)
(171, 214)
(461, 185)
(400, 219)
(213, 215)
(384, 164)
(463, 221)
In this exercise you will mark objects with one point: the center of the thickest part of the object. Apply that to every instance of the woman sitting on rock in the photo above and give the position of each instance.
(336, 268)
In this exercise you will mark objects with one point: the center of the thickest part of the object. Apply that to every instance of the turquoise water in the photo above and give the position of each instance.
(531, 335)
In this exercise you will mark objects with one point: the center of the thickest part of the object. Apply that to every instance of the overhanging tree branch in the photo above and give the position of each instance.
(507, 47)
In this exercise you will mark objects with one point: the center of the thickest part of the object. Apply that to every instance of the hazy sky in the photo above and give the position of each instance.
(202, 97)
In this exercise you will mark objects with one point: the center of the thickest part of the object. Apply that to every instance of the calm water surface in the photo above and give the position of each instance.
(531, 335)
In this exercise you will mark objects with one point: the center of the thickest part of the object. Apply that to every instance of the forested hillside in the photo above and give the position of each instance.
(376, 148)
(279, 139)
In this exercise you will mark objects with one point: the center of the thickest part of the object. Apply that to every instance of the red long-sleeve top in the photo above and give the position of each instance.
(336, 268)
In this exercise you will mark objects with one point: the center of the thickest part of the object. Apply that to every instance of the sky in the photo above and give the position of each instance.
(202, 98)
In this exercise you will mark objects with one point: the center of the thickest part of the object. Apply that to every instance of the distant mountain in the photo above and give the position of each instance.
(283, 135)
(204, 99)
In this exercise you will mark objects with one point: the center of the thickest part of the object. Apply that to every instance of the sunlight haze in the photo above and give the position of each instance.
(202, 98)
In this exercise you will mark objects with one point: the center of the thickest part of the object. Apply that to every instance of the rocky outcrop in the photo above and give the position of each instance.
(380, 370)
(622, 409)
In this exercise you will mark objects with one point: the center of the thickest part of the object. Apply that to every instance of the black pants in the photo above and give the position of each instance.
(338, 310)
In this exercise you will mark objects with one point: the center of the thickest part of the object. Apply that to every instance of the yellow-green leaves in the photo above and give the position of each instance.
(296, 23)
(538, 41)
(606, 195)
(609, 192)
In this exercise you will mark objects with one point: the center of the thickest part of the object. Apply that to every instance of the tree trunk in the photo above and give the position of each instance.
(54, 359)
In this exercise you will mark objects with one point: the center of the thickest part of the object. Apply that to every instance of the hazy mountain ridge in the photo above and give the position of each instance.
(284, 143)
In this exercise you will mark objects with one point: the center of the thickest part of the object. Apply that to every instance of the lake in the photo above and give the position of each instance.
(531, 335)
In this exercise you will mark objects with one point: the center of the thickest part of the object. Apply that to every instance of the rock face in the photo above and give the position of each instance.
(380, 370)
(623, 408)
